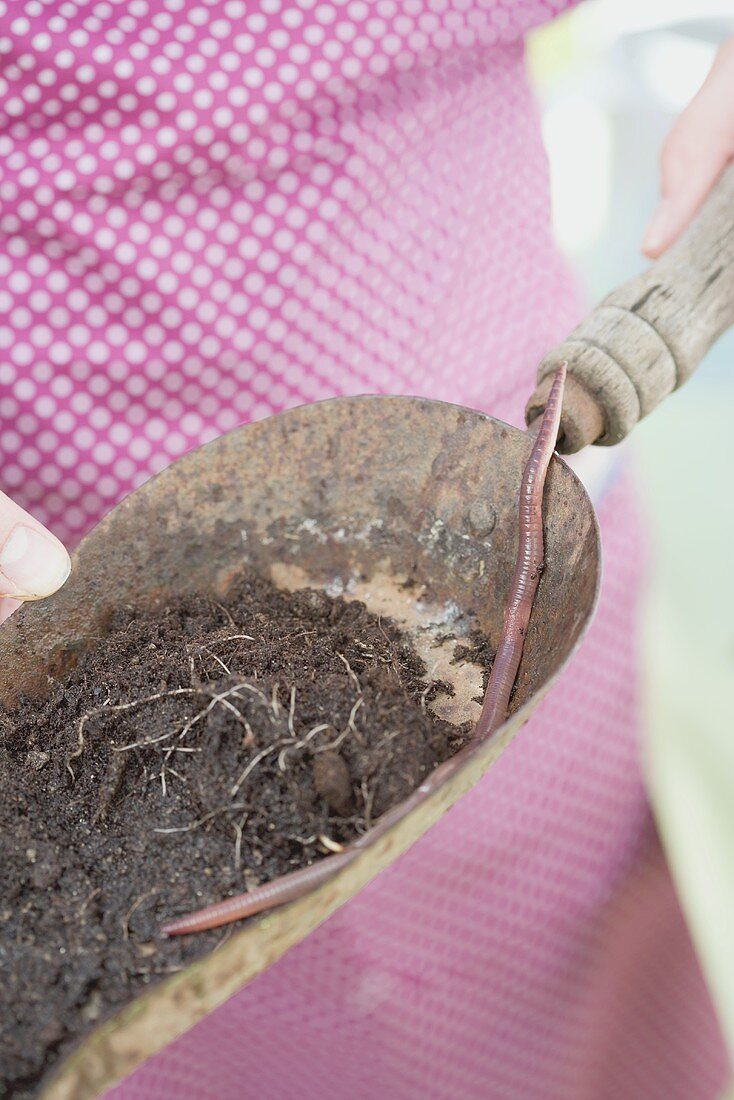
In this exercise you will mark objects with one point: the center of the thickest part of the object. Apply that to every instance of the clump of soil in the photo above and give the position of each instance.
(191, 754)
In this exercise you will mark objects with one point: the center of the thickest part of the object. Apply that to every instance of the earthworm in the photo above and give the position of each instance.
(528, 567)
(281, 890)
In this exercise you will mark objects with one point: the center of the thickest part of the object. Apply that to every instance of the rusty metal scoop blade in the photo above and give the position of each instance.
(407, 504)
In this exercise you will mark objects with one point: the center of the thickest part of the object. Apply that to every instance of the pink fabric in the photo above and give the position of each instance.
(211, 212)
(215, 211)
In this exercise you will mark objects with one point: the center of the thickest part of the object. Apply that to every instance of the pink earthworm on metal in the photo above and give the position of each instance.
(528, 568)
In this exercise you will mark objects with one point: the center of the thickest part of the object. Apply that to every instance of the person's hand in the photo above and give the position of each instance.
(33, 563)
(698, 147)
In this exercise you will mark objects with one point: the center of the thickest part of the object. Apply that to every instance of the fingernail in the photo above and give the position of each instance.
(33, 564)
(656, 233)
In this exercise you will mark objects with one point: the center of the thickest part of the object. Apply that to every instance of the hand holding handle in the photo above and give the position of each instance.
(648, 336)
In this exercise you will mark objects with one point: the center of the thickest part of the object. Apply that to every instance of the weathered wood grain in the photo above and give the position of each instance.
(648, 336)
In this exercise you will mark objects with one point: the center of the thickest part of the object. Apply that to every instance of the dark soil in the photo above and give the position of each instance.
(192, 754)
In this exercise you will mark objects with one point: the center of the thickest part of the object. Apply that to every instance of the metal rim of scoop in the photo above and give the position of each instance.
(401, 477)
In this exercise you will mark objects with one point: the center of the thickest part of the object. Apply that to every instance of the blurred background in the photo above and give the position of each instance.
(611, 76)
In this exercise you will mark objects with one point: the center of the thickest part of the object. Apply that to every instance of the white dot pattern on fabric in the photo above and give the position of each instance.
(222, 210)
(212, 211)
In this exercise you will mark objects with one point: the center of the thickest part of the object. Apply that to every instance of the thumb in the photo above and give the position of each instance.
(33, 563)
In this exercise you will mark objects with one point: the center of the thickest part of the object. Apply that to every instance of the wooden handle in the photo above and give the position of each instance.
(648, 336)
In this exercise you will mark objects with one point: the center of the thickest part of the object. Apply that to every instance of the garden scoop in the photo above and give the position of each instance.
(411, 506)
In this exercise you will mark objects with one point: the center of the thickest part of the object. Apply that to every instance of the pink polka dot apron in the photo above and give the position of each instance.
(210, 212)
